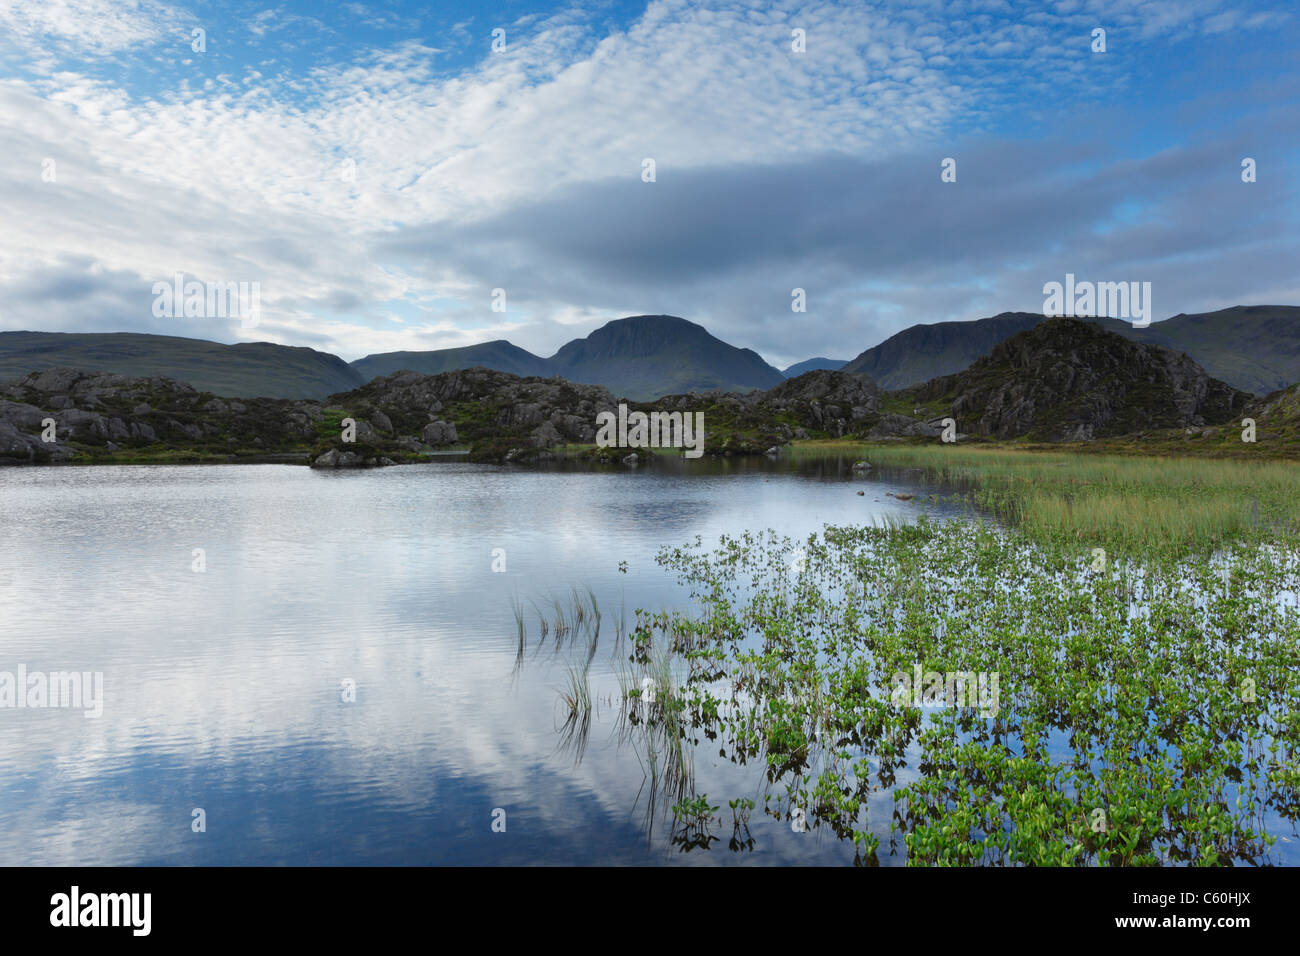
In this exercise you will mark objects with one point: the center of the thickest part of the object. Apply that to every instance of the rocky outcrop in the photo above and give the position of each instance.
(1071, 380)
(496, 413)
(64, 414)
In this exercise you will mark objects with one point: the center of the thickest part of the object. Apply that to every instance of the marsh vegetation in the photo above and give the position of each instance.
(1140, 618)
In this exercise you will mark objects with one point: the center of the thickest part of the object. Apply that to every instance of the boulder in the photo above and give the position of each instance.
(21, 415)
(14, 445)
(545, 435)
(900, 426)
(339, 459)
(439, 433)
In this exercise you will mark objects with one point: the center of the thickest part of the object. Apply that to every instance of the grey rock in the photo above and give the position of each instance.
(365, 432)
(21, 415)
(900, 426)
(545, 435)
(440, 433)
(179, 428)
(77, 422)
(14, 445)
(339, 459)
(523, 415)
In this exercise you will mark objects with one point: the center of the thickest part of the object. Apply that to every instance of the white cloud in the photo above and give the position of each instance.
(241, 177)
(90, 27)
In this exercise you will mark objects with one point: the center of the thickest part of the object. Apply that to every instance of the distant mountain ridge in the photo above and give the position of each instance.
(1252, 348)
(641, 357)
(818, 364)
(1255, 348)
(245, 370)
(498, 355)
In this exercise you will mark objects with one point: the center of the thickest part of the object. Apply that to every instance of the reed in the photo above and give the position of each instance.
(1124, 502)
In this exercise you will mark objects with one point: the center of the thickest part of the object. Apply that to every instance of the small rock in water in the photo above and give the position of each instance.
(861, 492)
(903, 497)
(861, 466)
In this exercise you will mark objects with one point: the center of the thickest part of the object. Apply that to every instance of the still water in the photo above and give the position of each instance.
(224, 689)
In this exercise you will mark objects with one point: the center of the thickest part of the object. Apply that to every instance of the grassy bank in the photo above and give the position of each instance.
(1124, 502)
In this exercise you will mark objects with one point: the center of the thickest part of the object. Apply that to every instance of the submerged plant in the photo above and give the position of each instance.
(692, 819)
(1045, 708)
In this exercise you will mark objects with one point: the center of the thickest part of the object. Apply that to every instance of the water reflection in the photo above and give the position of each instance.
(223, 687)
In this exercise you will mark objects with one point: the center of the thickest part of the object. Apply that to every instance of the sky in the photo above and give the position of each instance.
(381, 170)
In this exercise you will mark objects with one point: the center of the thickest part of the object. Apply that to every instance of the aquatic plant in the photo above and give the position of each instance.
(1141, 712)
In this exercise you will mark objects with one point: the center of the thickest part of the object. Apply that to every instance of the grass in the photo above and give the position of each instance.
(1124, 503)
(166, 455)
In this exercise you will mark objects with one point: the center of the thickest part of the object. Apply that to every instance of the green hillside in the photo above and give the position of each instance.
(246, 370)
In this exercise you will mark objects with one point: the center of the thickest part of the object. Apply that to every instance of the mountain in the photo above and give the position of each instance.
(1255, 348)
(813, 365)
(641, 358)
(922, 352)
(646, 356)
(1252, 347)
(1071, 380)
(246, 369)
(498, 355)
(1063, 380)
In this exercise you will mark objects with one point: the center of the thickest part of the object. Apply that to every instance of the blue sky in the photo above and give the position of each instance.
(379, 169)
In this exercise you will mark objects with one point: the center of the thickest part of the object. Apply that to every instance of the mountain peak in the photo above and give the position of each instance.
(646, 356)
(634, 335)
